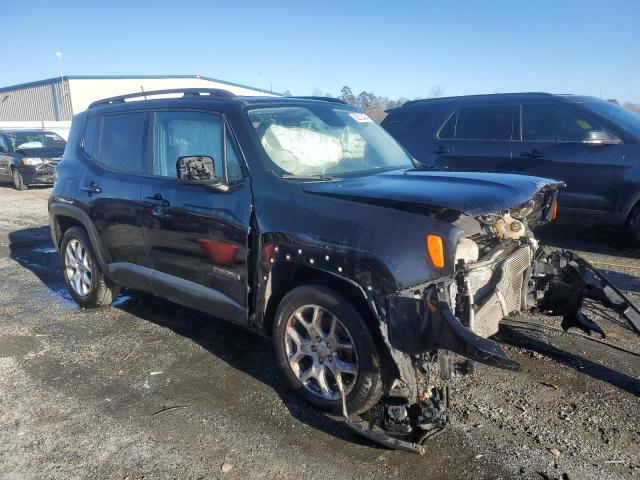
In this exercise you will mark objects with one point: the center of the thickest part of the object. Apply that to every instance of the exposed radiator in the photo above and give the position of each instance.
(497, 289)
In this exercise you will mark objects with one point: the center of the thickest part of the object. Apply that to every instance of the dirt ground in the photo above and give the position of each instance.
(149, 389)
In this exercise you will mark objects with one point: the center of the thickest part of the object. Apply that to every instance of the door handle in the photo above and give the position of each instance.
(157, 199)
(91, 188)
(157, 202)
(533, 154)
(440, 149)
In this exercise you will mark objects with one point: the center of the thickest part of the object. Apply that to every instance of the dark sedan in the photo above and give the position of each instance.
(29, 156)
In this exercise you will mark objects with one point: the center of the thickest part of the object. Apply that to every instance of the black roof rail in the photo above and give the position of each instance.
(326, 99)
(194, 92)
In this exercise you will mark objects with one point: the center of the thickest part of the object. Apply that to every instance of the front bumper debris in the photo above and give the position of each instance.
(419, 326)
(553, 282)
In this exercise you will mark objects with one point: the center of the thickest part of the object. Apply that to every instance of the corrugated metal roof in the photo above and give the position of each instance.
(116, 77)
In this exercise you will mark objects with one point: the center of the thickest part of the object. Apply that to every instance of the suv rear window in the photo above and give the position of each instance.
(121, 141)
(484, 123)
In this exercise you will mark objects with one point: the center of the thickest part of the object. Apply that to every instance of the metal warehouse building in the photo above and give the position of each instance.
(51, 103)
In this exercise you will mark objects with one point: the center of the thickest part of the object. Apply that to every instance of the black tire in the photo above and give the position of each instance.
(102, 291)
(18, 181)
(368, 384)
(635, 224)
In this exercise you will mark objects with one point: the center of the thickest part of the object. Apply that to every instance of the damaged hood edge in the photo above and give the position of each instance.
(470, 193)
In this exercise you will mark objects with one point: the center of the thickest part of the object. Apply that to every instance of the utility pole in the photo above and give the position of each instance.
(62, 89)
(59, 57)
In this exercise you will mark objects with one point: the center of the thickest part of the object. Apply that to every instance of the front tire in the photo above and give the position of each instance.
(318, 335)
(18, 181)
(85, 281)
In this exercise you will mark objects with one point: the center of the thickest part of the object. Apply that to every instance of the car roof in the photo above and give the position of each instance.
(23, 130)
(492, 99)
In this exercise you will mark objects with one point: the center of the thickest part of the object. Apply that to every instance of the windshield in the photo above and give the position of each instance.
(624, 118)
(325, 140)
(25, 140)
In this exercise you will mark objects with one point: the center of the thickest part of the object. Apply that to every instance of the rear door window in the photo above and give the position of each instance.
(121, 141)
(484, 123)
(555, 123)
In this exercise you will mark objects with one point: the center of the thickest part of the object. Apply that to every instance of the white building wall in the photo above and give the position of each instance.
(85, 91)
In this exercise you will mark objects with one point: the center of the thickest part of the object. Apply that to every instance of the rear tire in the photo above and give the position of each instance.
(85, 281)
(18, 181)
(329, 337)
(635, 224)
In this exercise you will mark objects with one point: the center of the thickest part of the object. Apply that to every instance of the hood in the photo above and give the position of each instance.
(51, 152)
(470, 193)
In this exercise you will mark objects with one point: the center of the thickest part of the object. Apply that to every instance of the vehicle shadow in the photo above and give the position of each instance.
(243, 350)
(33, 249)
(8, 184)
(517, 338)
(248, 352)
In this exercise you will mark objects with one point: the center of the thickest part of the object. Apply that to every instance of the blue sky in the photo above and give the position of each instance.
(388, 48)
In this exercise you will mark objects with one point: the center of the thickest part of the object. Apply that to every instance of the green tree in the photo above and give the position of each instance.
(347, 95)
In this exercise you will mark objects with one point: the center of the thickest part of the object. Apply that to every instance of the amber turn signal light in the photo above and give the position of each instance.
(435, 249)
(554, 209)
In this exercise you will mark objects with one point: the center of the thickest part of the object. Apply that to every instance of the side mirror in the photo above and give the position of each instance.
(199, 170)
(600, 137)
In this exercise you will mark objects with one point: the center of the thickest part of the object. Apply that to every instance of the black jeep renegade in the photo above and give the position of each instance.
(301, 219)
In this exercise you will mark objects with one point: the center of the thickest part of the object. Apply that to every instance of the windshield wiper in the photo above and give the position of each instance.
(291, 176)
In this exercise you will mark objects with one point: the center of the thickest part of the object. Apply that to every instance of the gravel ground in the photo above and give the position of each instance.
(149, 389)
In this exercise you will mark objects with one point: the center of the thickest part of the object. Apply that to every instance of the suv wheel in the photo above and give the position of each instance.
(18, 181)
(318, 335)
(635, 223)
(85, 281)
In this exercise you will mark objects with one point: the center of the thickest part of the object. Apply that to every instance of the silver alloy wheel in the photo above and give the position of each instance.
(78, 267)
(319, 349)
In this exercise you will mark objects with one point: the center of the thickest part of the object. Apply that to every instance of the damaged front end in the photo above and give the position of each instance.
(500, 270)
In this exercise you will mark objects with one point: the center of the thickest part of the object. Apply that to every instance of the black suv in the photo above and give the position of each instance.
(303, 220)
(591, 145)
(30, 156)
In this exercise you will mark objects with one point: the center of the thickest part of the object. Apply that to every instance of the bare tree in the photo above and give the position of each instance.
(436, 92)
(634, 107)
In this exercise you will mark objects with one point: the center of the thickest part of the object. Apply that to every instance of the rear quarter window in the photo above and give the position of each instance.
(90, 135)
(448, 130)
(484, 123)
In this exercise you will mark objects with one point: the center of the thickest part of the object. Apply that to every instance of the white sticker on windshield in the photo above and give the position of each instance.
(360, 117)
